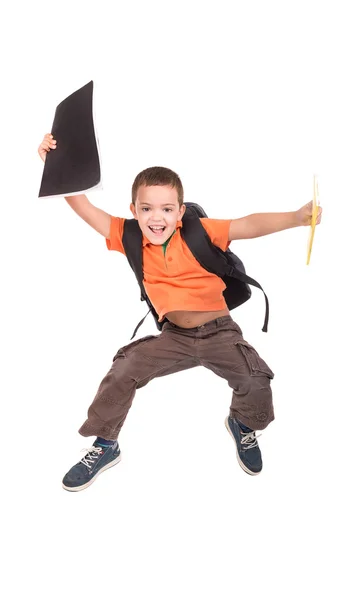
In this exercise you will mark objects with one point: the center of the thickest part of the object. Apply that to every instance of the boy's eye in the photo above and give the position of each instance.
(146, 209)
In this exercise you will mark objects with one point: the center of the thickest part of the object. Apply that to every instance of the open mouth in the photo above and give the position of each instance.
(157, 230)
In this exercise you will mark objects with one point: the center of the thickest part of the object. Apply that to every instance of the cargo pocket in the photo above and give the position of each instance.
(125, 351)
(256, 365)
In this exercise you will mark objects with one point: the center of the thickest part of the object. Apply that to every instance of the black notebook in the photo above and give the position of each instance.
(74, 166)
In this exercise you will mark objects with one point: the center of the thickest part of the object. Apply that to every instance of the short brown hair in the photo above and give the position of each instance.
(158, 176)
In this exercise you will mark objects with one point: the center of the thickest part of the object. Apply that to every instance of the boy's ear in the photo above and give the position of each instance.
(132, 208)
(182, 210)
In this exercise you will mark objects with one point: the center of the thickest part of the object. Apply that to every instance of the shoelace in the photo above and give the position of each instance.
(249, 439)
(95, 451)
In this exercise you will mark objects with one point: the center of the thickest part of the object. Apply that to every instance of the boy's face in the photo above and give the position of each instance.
(157, 211)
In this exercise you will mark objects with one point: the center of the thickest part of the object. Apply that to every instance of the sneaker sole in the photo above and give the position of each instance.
(86, 485)
(241, 464)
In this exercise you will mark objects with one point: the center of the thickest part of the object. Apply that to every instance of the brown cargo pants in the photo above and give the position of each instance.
(218, 345)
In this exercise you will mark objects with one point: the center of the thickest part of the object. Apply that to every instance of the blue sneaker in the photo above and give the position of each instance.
(248, 451)
(97, 460)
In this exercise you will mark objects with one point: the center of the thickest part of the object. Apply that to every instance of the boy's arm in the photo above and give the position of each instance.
(97, 218)
(265, 223)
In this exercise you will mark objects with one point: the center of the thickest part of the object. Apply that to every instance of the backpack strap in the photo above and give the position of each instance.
(213, 259)
(132, 243)
(139, 325)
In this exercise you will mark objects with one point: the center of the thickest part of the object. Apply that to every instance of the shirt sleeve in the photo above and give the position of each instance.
(218, 231)
(114, 241)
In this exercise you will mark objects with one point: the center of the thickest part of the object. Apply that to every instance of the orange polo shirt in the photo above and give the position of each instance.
(177, 281)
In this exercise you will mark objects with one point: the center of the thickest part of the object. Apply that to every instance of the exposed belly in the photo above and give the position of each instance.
(194, 318)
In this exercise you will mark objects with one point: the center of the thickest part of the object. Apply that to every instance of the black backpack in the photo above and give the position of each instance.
(224, 264)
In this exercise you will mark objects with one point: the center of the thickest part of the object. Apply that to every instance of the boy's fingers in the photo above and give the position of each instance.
(48, 144)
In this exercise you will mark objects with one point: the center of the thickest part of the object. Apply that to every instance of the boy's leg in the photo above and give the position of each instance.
(133, 367)
(228, 355)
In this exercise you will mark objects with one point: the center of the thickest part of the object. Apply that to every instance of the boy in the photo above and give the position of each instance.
(199, 330)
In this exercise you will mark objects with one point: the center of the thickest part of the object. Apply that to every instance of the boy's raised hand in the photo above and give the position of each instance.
(47, 144)
(305, 213)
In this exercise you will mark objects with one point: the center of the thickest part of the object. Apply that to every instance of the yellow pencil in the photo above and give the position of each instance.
(314, 216)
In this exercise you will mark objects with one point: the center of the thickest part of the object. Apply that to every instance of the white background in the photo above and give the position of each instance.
(245, 100)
